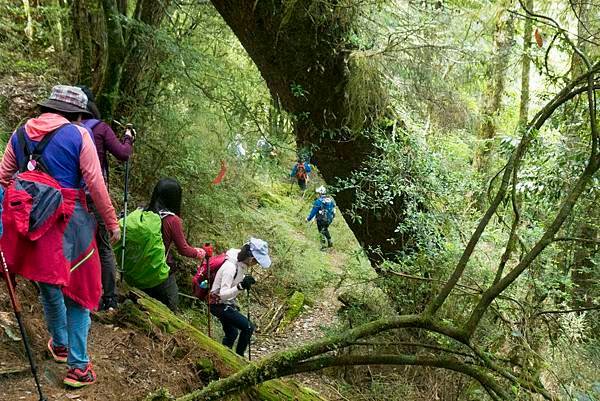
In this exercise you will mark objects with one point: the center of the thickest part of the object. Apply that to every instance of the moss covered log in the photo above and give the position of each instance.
(294, 307)
(151, 315)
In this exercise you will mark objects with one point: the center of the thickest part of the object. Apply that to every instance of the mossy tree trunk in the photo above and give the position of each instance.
(142, 67)
(302, 51)
(115, 52)
(496, 77)
(526, 68)
(109, 92)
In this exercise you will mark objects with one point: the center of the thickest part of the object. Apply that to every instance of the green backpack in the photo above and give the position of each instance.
(145, 259)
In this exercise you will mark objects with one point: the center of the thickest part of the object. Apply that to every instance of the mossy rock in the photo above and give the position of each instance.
(206, 371)
(269, 199)
(161, 394)
(294, 307)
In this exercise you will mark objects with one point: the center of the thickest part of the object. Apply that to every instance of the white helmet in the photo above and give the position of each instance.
(321, 190)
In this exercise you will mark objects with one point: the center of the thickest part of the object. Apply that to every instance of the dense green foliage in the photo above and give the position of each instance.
(420, 76)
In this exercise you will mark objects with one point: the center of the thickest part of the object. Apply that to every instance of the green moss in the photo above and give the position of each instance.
(161, 394)
(294, 307)
(206, 370)
(150, 312)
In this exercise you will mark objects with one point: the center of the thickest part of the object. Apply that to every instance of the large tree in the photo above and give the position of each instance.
(114, 42)
(304, 55)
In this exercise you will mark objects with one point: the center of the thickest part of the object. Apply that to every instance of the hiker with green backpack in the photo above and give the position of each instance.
(151, 232)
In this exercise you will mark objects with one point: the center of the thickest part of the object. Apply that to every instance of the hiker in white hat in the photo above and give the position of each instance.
(231, 279)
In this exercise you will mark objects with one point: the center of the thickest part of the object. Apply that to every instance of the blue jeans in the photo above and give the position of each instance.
(68, 324)
(233, 322)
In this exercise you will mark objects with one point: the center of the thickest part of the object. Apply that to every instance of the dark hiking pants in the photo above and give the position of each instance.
(302, 184)
(323, 227)
(166, 292)
(107, 261)
(233, 322)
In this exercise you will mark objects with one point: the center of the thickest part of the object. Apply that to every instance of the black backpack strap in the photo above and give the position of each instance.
(23, 145)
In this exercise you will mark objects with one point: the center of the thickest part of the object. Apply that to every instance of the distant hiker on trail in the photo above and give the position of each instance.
(230, 280)
(155, 230)
(301, 171)
(324, 211)
(49, 236)
(236, 147)
(106, 141)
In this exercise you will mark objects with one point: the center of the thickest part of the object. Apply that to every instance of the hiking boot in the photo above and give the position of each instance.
(77, 378)
(58, 353)
(109, 304)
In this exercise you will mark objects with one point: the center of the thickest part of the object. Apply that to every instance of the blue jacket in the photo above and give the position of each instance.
(295, 169)
(326, 203)
(61, 156)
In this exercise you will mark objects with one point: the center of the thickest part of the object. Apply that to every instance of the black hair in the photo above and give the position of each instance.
(245, 253)
(91, 104)
(68, 116)
(166, 196)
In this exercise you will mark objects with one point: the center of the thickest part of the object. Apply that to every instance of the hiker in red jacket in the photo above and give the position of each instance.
(166, 202)
(106, 142)
(49, 236)
(301, 171)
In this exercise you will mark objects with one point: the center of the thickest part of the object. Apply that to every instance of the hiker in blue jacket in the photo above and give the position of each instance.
(324, 211)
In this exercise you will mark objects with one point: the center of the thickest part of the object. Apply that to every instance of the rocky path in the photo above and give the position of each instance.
(308, 326)
(305, 328)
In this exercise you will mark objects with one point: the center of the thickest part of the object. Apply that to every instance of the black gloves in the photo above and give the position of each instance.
(246, 283)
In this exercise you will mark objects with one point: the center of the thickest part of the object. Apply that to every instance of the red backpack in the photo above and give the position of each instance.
(300, 171)
(202, 275)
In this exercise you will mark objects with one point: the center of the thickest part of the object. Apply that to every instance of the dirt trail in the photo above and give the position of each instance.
(129, 364)
(307, 327)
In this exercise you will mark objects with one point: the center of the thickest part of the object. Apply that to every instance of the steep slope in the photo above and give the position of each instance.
(133, 359)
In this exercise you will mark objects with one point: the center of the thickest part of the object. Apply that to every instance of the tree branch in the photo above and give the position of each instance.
(590, 241)
(271, 367)
(547, 238)
(474, 371)
(566, 94)
(556, 312)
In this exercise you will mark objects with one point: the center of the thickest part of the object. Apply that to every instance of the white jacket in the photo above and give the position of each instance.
(228, 277)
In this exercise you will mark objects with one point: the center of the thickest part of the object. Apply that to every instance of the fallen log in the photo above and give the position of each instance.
(150, 315)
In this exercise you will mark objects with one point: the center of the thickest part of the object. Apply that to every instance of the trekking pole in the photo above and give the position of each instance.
(17, 309)
(209, 288)
(125, 196)
(248, 316)
(124, 220)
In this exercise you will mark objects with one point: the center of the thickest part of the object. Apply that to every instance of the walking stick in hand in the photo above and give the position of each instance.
(207, 244)
(128, 127)
(248, 316)
(17, 309)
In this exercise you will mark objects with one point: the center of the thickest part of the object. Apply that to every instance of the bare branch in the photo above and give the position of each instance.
(474, 371)
(590, 241)
(557, 312)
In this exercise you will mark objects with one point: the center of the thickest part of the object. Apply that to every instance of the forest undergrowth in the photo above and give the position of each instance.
(412, 113)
